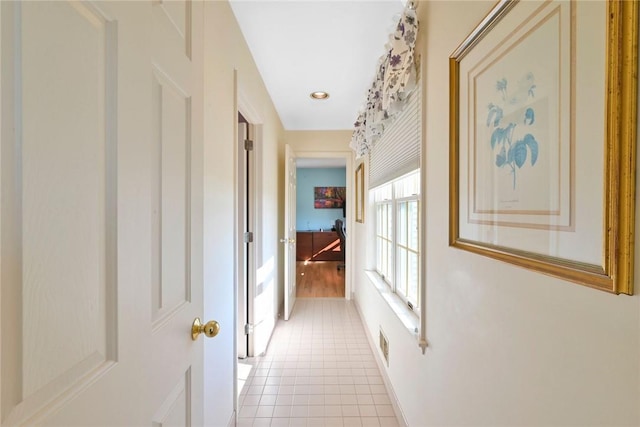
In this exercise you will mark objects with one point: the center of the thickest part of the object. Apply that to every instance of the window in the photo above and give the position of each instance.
(395, 240)
(397, 236)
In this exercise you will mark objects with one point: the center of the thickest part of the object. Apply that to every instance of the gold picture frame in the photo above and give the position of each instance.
(527, 141)
(359, 183)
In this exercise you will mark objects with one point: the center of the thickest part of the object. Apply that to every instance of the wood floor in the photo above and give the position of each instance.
(319, 279)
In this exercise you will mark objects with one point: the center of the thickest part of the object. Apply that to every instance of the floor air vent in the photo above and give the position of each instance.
(384, 346)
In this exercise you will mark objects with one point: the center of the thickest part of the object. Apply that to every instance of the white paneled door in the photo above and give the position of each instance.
(101, 224)
(290, 228)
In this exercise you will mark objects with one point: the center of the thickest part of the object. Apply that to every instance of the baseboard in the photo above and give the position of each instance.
(383, 370)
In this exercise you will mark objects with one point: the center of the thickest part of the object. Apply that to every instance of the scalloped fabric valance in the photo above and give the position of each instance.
(395, 80)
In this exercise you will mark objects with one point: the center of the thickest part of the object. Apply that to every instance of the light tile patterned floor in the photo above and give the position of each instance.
(319, 370)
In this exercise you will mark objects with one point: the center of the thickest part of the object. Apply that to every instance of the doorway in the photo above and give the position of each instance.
(246, 216)
(255, 273)
(321, 216)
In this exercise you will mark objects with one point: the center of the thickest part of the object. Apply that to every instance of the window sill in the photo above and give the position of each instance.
(408, 318)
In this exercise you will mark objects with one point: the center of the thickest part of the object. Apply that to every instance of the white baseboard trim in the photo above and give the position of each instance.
(383, 371)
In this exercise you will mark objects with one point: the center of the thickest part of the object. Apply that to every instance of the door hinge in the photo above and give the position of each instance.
(248, 328)
(248, 237)
(248, 145)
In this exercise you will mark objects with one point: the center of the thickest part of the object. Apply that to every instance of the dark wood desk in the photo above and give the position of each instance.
(318, 246)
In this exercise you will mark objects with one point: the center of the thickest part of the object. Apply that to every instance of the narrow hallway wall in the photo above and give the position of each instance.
(507, 346)
(226, 58)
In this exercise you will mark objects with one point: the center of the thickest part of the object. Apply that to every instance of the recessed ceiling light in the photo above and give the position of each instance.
(319, 95)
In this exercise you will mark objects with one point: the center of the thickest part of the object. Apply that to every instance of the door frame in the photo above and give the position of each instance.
(255, 121)
(349, 219)
(245, 222)
(247, 268)
(254, 194)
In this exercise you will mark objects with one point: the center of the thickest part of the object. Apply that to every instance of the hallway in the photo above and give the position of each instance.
(319, 370)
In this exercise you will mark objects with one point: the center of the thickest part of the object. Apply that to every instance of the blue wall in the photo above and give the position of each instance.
(307, 217)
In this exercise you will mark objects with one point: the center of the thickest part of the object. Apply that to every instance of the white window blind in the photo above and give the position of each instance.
(397, 152)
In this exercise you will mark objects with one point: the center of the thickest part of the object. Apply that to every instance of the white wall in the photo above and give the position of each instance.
(318, 140)
(507, 346)
(226, 51)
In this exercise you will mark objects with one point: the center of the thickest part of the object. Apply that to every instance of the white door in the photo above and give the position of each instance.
(243, 246)
(101, 184)
(290, 229)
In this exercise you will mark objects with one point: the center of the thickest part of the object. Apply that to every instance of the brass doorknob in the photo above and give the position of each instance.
(210, 329)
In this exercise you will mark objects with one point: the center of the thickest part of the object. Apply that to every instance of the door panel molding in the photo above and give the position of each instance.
(61, 140)
(171, 221)
(176, 408)
(179, 15)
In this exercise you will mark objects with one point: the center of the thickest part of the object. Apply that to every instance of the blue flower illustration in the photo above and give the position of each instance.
(512, 153)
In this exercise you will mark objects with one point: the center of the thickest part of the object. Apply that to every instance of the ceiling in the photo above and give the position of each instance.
(302, 46)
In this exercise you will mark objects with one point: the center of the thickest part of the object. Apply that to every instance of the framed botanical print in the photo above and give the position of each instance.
(543, 127)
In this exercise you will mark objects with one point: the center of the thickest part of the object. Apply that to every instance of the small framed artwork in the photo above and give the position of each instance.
(543, 139)
(329, 197)
(360, 193)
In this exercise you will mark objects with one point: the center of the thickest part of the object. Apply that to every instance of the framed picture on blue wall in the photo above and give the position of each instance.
(329, 197)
